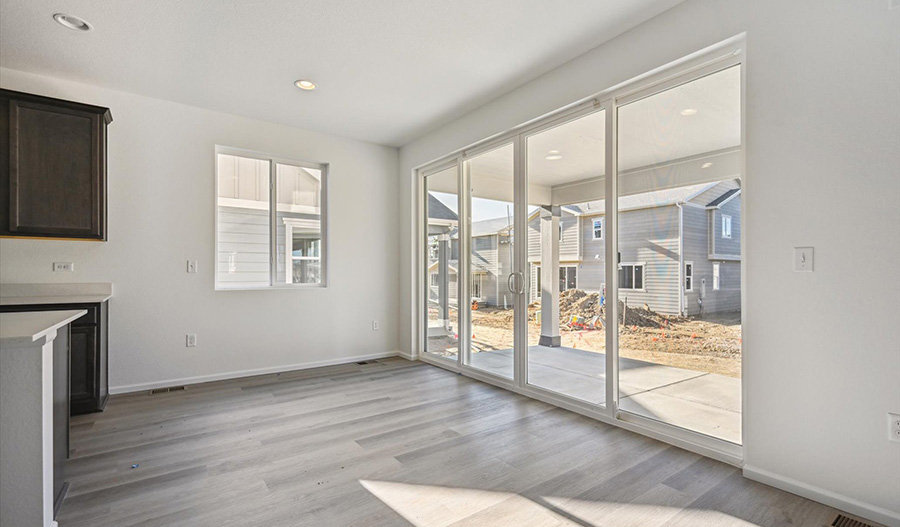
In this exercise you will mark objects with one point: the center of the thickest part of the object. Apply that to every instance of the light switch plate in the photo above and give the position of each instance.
(192, 266)
(803, 259)
(66, 267)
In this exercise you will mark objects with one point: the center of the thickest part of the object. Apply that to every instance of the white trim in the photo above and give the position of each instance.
(724, 257)
(833, 499)
(716, 276)
(184, 381)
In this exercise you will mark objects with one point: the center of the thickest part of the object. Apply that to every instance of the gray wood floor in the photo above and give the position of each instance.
(391, 442)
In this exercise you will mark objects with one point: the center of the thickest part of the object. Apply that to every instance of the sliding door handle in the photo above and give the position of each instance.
(521, 281)
(509, 284)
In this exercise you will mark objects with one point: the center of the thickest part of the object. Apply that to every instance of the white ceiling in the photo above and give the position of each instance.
(388, 70)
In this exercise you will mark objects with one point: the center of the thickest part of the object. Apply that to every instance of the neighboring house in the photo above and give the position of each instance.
(680, 251)
(677, 247)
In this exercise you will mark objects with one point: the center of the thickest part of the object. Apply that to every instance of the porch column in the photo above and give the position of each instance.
(444, 279)
(549, 276)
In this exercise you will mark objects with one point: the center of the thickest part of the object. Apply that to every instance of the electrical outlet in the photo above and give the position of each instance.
(192, 266)
(66, 267)
(374, 325)
(894, 427)
(190, 340)
(803, 259)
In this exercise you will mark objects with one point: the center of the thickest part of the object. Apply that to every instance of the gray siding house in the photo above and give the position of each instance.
(680, 251)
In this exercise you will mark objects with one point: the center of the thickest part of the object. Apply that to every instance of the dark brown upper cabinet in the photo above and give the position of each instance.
(52, 168)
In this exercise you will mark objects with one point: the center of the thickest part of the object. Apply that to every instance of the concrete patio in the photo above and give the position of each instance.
(698, 401)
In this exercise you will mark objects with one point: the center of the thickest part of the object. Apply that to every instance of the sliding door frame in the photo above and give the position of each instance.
(715, 58)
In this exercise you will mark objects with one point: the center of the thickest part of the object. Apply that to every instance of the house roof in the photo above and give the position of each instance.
(724, 198)
(438, 211)
(657, 198)
(491, 226)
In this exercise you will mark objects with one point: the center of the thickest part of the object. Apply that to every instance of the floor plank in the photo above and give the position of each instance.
(393, 443)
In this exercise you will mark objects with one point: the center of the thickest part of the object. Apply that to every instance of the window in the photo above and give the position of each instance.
(726, 226)
(434, 279)
(631, 276)
(482, 243)
(270, 219)
(688, 276)
(568, 277)
(476, 286)
(716, 276)
(537, 281)
(598, 229)
(560, 232)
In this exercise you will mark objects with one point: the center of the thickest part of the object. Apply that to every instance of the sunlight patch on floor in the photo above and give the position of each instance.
(440, 506)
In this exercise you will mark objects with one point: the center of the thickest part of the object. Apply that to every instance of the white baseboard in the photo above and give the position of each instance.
(408, 356)
(128, 388)
(843, 503)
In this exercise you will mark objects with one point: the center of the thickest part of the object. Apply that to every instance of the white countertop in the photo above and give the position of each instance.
(17, 329)
(42, 294)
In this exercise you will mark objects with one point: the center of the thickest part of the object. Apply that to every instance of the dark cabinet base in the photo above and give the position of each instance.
(88, 354)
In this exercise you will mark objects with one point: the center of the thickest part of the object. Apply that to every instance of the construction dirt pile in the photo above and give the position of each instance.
(578, 303)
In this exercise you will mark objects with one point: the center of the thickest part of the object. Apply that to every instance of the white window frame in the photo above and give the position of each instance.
(643, 266)
(567, 267)
(726, 226)
(274, 161)
(537, 281)
(689, 275)
(594, 228)
(717, 276)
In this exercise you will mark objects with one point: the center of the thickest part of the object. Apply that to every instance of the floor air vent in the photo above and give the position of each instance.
(842, 520)
(156, 391)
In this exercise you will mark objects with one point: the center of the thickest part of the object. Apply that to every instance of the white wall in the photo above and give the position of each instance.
(162, 212)
(821, 350)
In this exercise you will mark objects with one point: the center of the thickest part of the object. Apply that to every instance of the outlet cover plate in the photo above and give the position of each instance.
(190, 340)
(894, 427)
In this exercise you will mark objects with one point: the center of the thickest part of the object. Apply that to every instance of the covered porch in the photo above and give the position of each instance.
(702, 402)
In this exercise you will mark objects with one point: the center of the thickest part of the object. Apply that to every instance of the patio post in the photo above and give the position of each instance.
(550, 276)
(444, 279)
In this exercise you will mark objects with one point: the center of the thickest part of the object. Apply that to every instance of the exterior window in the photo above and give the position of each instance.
(560, 232)
(716, 282)
(434, 279)
(598, 229)
(726, 226)
(482, 243)
(688, 276)
(568, 277)
(631, 276)
(537, 281)
(476, 286)
(256, 194)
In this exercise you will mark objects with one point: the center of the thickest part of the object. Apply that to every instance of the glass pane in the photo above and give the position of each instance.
(298, 219)
(441, 264)
(491, 261)
(679, 336)
(242, 258)
(566, 337)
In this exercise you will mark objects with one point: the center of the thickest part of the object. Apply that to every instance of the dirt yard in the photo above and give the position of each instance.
(708, 344)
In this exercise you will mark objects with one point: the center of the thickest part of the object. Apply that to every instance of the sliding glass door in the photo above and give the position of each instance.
(494, 282)
(565, 166)
(593, 259)
(679, 245)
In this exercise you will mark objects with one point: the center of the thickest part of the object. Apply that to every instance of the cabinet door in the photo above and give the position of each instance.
(55, 173)
(83, 363)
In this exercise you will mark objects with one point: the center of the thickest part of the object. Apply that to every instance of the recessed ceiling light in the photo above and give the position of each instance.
(553, 155)
(72, 22)
(689, 111)
(706, 165)
(305, 84)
